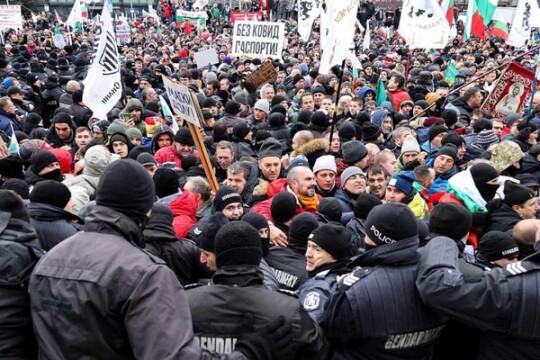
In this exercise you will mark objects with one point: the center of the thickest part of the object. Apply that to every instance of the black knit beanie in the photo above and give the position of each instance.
(364, 204)
(300, 229)
(166, 182)
(127, 187)
(402, 227)
(330, 208)
(208, 234)
(238, 243)
(283, 206)
(40, 159)
(333, 238)
(9, 200)
(225, 196)
(183, 136)
(450, 219)
(51, 192)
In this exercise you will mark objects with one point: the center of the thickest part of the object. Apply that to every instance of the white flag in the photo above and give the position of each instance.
(75, 18)
(367, 38)
(308, 10)
(520, 31)
(423, 24)
(58, 18)
(341, 16)
(103, 85)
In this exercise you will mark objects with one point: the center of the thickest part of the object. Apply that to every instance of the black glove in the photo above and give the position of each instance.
(271, 342)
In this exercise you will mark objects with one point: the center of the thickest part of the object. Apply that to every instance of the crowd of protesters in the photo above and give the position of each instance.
(341, 228)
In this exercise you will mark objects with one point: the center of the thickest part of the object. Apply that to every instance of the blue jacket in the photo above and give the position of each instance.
(314, 293)
(347, 206)
(6, 120)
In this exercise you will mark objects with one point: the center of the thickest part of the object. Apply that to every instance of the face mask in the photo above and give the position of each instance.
(54, 175)
(487, 191)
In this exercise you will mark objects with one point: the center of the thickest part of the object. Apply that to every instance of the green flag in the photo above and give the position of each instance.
(450, 73)
(380, 94)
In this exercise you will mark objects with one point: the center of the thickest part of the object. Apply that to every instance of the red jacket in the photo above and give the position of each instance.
(184, 208)
(169, 155)
(276, 186)
(398, 97)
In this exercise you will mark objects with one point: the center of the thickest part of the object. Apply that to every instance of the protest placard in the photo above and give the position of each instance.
(240, 16)
(258, 39)
(193, 16)
(263, 74)
(205, 57)
(181, 101)
(10, 17)
(123, 34)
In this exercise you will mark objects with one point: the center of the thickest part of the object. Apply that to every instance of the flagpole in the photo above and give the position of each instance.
(336, 104)
(476, 79)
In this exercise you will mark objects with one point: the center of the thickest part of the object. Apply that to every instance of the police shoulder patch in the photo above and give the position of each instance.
(312, 301)
(351, 278)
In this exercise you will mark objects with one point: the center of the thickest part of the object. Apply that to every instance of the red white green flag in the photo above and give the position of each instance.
(499, 29)
(479, 15)
(448, 8)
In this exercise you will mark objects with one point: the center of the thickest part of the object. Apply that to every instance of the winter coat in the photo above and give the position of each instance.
(6, 121)
(465, 111)
(19, 253)
(501, 217)
(288, 265)
(347, 206)
(168, 155)
(83, 187)
(184, 208)
(501, 303)
(117, 304)
(242, 148)
(236, 305)
(182, 256)
(529, 165)
(376, 311)
(52, 224)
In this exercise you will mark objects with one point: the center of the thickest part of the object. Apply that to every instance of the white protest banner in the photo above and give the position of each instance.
(103, 83)
(205, 57)
(423, 25)
(10, 17)
(199, 4)
(194, 16)
(258, 39)
(181, 101)
(123, 34)
(309, 10)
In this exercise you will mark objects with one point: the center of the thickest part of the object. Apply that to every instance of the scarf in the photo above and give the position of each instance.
(309, 203)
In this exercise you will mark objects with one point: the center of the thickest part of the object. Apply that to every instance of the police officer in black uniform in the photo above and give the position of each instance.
(376, 312)
(502, 303)
(328, 251)
(237, 305)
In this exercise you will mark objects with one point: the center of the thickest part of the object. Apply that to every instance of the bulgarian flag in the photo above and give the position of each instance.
(499, 29)
(448, 9)
(479, 15)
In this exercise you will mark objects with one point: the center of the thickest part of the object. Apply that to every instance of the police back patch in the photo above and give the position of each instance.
(312, 301)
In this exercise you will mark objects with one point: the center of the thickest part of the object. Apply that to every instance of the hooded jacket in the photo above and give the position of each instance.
(83, 187)
(159, 130)
(52, 224)
(184, 208)
(19, 253)
(182, 256)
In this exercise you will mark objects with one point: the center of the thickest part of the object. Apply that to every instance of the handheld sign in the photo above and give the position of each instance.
(263, 74)
(205, 57)
(258, 39)
(181, 101)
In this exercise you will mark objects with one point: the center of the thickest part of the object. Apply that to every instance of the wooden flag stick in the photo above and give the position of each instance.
(199, 143)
